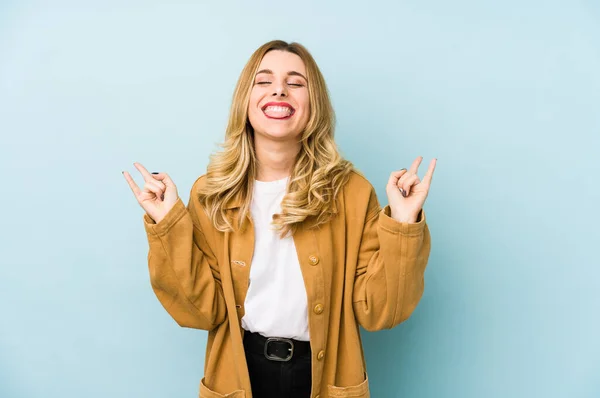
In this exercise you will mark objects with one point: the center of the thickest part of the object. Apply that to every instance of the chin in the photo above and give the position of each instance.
(280, 134)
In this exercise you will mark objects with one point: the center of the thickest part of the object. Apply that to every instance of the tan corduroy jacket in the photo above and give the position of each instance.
(362, 268)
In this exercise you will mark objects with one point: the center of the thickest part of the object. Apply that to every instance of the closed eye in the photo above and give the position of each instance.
(290, 84)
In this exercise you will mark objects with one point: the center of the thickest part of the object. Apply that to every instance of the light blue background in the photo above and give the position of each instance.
(505, 94)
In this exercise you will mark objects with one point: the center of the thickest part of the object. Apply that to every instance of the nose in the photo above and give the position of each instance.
(280, 90)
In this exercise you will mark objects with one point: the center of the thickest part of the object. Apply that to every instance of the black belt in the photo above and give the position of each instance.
(275, 348)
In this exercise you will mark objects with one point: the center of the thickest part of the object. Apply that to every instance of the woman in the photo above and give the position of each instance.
(283, 249)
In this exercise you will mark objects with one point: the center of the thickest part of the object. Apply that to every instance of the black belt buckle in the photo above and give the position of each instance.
(274, 357)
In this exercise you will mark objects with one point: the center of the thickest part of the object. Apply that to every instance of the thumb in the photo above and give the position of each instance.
(170, 187)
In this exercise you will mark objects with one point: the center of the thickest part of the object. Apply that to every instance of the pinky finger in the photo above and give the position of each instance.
(136, 190)
(429, 174)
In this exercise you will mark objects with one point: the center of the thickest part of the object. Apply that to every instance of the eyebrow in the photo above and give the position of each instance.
(290, 73)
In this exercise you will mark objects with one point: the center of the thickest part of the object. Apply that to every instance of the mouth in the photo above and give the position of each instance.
(278, 110)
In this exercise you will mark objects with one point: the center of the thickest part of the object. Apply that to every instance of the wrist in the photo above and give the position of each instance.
(405, 218)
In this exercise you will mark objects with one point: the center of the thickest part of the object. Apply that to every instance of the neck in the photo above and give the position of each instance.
(275, 159)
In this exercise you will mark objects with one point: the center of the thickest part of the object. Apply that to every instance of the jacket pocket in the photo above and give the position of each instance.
(206, 392)
(359, 391)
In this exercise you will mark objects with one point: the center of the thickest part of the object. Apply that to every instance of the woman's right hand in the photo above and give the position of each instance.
(159, 194)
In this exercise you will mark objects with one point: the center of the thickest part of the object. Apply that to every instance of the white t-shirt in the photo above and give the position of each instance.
(276, 303)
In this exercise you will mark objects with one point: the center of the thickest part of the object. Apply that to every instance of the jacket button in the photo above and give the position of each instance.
(318, 309)
(320, 355)
(314, 260)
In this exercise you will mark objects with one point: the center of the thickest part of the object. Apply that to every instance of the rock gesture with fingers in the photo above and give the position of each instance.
(407, 193)
(159, 194)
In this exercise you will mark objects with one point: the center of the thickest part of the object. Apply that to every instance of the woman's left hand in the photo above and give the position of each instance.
(406, 207)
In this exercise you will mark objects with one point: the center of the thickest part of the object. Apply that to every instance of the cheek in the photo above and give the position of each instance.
(305, 107)
(254, 98)
(253, 104)
(304, 99)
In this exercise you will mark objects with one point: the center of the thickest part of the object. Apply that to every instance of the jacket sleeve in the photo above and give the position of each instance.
(183, 269)
(389, 278)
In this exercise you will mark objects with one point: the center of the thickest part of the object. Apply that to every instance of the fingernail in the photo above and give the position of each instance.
(154, 172)
(162, 197)
(402, 192)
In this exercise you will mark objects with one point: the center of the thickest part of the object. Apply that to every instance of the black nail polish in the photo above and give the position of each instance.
(154, 172)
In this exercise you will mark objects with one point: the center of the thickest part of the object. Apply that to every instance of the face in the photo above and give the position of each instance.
(279, 105)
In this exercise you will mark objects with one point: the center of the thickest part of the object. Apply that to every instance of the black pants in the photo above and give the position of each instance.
(274, 379)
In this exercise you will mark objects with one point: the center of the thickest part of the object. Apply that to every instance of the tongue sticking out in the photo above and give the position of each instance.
(278, 111)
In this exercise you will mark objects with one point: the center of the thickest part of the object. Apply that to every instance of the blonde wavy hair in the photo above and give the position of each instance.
(319, 171)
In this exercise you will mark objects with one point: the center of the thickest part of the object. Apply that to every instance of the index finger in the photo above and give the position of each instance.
(414, 167)
(147, 176)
